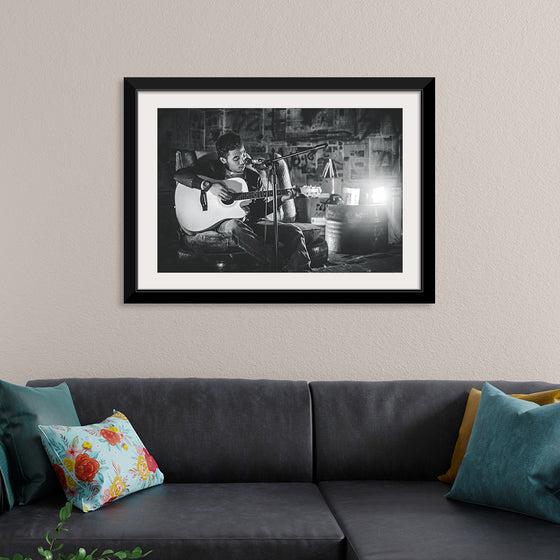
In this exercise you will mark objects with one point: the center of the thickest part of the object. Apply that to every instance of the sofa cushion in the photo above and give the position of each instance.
(7, 495)
(209, 430)
(194, 522)
(541, 398)
(21, 410)
(513, 457)
(400, 430)
(411, 520)
(99, 463)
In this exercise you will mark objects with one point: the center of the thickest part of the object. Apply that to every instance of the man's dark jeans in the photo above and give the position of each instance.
(293, 253)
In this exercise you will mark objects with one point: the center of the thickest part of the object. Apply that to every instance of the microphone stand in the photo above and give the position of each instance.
(273, 164)
(274, 168)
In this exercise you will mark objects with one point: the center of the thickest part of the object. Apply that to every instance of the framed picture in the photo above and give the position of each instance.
(277, 190)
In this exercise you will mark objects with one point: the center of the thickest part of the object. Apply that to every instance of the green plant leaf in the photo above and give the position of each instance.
(68, 508)
(46, 554)
(64, 514)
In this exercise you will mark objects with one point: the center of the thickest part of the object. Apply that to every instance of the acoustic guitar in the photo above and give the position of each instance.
(193, 218)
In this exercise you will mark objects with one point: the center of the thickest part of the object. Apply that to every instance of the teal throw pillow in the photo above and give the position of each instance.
(100, 463)
(513, 457)
(7, 498)
(21, 410)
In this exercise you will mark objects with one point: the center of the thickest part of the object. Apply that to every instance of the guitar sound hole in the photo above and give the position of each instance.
(229, 201)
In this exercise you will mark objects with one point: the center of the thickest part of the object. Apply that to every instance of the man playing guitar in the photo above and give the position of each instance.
(212, 178)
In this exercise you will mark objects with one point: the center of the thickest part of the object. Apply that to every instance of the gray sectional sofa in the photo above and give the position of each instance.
(262, 469)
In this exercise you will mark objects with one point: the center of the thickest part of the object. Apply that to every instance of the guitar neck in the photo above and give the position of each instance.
(260, 194)
(247, 195)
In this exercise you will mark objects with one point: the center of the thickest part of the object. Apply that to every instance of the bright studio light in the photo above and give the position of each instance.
(379, 195)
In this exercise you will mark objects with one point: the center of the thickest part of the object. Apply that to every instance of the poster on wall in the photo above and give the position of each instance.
(281, 190)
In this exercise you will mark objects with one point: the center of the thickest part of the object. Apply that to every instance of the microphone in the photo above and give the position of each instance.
(250, 160)
(261, 161)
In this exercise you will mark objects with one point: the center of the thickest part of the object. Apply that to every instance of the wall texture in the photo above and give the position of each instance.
(498, 188)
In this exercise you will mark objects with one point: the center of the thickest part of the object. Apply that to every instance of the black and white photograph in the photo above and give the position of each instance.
(338, 176)
(305, 190)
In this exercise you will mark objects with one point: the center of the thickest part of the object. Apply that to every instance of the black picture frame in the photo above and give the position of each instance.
(422, 292)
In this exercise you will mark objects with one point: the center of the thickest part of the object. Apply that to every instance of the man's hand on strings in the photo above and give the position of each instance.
(222, 192)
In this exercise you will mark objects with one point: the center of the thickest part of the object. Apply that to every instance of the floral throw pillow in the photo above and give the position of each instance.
(99, 463)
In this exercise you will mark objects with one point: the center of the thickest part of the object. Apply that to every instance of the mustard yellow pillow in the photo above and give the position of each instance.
(541, 398)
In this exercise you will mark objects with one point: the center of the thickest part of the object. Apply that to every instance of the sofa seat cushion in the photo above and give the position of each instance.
(412, 520)
(192, 521)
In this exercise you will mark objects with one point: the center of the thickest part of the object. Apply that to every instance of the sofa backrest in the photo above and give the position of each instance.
(400, 430)
(208, 430)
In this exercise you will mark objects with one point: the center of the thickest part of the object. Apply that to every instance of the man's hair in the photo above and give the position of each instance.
(227, 142)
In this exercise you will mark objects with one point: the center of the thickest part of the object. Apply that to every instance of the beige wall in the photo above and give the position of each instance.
(498, 188)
